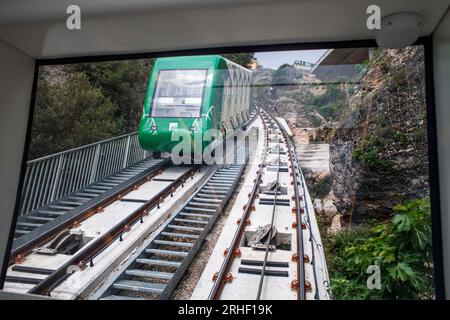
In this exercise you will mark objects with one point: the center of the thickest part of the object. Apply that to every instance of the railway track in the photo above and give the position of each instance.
(155, 270)
(237, 254)
(37, 226)
(47, 256)
(57, 239)
(159, 261)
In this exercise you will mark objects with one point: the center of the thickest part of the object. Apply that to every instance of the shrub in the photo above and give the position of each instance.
(401, 248)
(322, 187)
(367, 153)
(69, 115)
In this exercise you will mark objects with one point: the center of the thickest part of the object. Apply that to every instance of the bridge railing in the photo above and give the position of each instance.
(51, 177)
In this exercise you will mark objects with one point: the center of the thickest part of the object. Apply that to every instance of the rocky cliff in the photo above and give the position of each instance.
(375, 129)
(380, 158)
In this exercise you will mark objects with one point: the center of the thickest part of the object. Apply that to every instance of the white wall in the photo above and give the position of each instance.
(441, 44)
(187, 27)
(16, 81)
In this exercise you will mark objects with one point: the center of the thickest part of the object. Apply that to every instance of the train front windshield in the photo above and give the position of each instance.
(179, 93)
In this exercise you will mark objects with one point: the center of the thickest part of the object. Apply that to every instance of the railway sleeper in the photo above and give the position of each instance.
(72, 203)
(202, 204)
(185, 228)
(210, 201)
(195, 215)
(199, 209)
(156, 271)
(174, 243)
(191, 221)
(116, 297)
(107, 184)
(167, 252)
(38, 218)
(210, 186)
(143, 287)
(158, 262)
(100, 187)
(52, 213)
(179, 235)
(210, 195)
(22, 224)
(226, 177)
(219, 184)
(55, 206)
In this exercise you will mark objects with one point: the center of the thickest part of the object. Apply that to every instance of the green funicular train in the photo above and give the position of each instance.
(193, 95)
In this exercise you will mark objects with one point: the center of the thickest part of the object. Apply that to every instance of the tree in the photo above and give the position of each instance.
(401, 248)
(70, 114)
(125, 83)
(244, 59)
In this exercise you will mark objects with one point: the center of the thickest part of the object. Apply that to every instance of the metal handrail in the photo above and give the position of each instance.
(51, 177)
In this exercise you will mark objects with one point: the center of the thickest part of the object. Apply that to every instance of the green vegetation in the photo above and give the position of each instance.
(401, 248)
(322, 187)
(399, 136)
(83, 103)
(125, 83)
(70, 114)
(385, 66)
(399, 78)
(361, 68)
(368, 153)
(329, 105)
(244, 59)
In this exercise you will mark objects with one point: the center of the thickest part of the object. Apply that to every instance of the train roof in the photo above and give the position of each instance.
(214, 59)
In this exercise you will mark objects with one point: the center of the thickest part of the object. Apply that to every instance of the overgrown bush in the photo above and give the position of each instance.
(368, 153)
(330, 104)
(322, 187)
(400, 247)
(69, 115)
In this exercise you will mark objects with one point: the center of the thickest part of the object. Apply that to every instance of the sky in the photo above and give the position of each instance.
(274, 59)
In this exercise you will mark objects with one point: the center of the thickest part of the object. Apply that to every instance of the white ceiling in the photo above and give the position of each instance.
(14, 11)
(132, 26)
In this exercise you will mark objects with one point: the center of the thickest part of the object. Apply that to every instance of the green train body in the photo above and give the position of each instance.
(193, 94)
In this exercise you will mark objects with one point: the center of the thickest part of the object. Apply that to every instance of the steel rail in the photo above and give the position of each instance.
(300, 246)
(226, 265)
(294, 160)
(274, 208)
(92, 249)
(313, 258)
(39, 236)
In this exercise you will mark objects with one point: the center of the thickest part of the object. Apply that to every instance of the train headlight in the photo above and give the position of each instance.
(154, 128)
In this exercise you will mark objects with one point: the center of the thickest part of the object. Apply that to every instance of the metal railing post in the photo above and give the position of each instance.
(127, 151)
(95, 164)
(74, 169)
(57, 178)
(247, 147)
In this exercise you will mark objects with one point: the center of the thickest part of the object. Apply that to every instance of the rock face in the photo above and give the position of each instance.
(375, 132)
(336, 225)
(286, 91)
(291, 90)
(381, 159)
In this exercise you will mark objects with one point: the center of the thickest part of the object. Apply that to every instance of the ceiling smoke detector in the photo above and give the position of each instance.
(399, 30)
